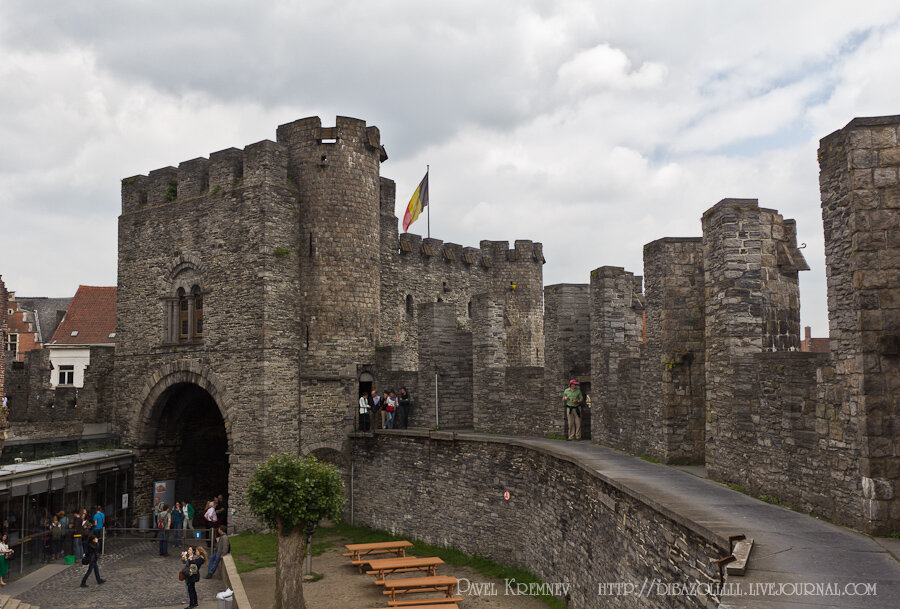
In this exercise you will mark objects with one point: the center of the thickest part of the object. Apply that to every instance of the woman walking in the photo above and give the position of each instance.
(5, 554)
(91, 554)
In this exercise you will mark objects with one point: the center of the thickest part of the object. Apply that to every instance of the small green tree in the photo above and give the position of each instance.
(289, 494)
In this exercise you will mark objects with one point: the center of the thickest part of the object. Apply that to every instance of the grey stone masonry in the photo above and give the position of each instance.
(32, 398)
(674, 353)
(860, 189)
(734, 330)
(567, 334)
(564, 521)
(444, 351)
(616, 338)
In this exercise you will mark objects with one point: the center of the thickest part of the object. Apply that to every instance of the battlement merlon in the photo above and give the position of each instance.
(388, 197)
(347, 132)
(262, 162)
(489, 254)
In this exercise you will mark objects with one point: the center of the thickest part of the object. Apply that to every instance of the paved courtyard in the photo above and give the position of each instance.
(136, 577)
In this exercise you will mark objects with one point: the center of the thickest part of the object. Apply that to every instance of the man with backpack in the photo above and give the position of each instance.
(573, 400)
(163, 524)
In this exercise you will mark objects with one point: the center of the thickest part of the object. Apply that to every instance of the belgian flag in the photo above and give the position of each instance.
(417, 204)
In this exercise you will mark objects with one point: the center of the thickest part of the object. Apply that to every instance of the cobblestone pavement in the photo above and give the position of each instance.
(137, 577)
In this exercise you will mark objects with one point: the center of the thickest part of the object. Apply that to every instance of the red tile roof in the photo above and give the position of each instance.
(92, 314)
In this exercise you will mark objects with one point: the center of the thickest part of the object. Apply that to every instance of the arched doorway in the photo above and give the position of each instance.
(190, 445)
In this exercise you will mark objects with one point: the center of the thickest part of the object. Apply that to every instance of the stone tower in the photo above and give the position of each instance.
(337, 173)
(860, 189)
(248, 298)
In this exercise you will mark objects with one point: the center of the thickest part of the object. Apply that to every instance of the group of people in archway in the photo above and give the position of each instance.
(393, 408)
(180, 519)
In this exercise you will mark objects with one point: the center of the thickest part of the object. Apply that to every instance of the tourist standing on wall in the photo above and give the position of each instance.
(391, 408)
(573, 400)
(164, 524)
(364, 409)
(91, 554)
(404, 404)
(378, 406)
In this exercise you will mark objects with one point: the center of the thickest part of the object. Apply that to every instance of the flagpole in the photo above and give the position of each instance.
(427, 170)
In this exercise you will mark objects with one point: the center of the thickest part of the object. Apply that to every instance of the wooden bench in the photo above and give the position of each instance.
(383, 567)
(358, 552)
(362, 562)
(441, 603)
(414, 585)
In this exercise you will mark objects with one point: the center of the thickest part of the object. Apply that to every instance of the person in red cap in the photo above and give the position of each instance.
(573, 400)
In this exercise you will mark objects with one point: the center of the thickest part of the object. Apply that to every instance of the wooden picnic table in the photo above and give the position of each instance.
(382, 567)
(412, 585)
(357, 550)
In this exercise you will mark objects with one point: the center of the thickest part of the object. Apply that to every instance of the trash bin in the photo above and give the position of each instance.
(224, 599)
(69, 559)
(144, 522)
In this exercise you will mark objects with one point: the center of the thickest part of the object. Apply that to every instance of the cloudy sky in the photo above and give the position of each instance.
(591, 126)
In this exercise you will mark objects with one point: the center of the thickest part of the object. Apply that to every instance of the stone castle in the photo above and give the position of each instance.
(260, 290)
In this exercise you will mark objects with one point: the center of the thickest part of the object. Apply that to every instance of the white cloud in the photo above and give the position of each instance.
(593, 127)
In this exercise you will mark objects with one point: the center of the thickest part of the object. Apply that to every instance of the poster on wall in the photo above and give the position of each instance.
(164, 491)
(124, 501)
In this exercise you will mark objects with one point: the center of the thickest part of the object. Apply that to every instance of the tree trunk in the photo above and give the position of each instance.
(289, 569)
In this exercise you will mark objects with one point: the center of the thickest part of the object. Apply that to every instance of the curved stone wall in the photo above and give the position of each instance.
(564, 522)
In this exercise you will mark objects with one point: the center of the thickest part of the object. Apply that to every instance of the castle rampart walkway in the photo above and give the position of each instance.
(790, 547)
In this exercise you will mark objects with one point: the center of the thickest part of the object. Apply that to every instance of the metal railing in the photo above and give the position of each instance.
(186, 536)
(35, 549)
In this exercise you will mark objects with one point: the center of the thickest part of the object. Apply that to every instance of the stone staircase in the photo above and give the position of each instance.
(13, 603)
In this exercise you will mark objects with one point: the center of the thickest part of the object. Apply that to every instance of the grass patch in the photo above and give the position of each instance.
(649, 459)
(451, 556)
(319, 547)
(253, 551)
(738, 488)
(556, 436)
(315, 577)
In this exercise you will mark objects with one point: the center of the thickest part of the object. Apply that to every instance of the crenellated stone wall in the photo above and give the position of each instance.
(564, 521)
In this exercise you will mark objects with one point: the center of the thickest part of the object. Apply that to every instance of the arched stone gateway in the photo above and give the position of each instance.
(183, 434)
